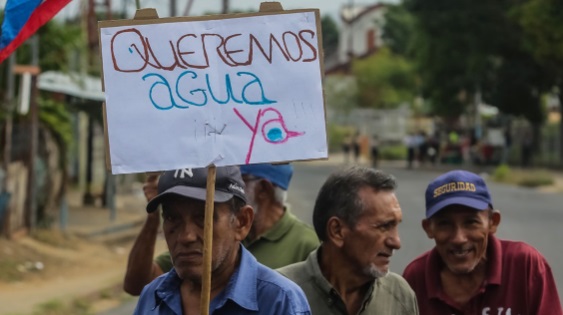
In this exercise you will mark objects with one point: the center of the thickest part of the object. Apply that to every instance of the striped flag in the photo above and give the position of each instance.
(22, 18)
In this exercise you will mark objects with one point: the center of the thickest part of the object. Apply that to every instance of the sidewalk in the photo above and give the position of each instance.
(338, 160)
(93, 265)
(99, 223)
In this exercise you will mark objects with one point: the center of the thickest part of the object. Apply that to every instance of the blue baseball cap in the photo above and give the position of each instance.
(457, 188)
(279, 174)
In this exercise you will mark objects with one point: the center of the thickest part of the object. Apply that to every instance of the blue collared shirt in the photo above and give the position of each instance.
(252, 289)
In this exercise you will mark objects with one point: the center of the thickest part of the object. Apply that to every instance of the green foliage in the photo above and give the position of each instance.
(542, 21)
(384, 80)
(398, 30)
(465, 46)
(56, 117)
(525, 178)
(501, 173)
(393, 152)
(330, 35)
(336, 135)
(58, 44)
(56, 307)
(341, 93)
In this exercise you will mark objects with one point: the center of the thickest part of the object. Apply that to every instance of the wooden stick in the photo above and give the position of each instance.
(208, 240)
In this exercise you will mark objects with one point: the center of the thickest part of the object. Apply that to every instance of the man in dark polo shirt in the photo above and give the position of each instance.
(470, 271)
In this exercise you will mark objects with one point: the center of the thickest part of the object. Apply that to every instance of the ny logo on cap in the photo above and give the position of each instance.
(183, 172)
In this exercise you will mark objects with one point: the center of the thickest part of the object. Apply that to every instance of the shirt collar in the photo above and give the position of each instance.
(313, 268)
(241, 288)
(434, 265)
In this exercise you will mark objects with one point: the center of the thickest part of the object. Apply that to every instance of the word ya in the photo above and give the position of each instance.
(250, 91)
(131, 51)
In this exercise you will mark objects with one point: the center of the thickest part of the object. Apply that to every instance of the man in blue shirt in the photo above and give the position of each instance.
(239, 284)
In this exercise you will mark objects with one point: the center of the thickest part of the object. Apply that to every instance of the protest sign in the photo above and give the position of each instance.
(224, 90)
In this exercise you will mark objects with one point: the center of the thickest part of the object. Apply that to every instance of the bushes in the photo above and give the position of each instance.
(524, 178)
(393, 152)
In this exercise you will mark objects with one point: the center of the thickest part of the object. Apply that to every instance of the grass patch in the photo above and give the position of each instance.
(393, 152)
(9, 270)
(524, 178)
(55, 238)
(56, 307)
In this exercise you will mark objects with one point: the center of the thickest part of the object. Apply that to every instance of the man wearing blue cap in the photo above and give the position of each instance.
(277, 238)
(470, 271)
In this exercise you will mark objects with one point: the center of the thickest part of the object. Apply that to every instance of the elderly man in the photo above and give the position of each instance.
(276, 238)
(356, 216)
(239, 284)
(470, 271)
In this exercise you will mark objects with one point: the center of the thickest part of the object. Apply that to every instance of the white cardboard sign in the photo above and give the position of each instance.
(238, 90)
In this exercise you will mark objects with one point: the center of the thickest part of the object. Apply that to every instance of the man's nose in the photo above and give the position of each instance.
(394, 240)
(188, 233)
(459, 236)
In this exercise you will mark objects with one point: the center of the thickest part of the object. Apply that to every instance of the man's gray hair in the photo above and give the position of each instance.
(339, 198)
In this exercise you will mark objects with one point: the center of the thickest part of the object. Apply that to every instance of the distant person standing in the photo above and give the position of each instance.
(346, 146)
(527, 141)
(410, 143)
(374, 151)
(357, 144)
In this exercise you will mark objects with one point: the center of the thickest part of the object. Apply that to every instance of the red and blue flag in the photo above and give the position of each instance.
(22, 18)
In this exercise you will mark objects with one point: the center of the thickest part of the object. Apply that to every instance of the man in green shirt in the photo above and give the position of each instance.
(277, 238)
(356, 217)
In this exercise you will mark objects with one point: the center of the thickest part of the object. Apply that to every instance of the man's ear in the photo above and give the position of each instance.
(427, 227)
(336, 231)
(494, 221)
(243, 222)
(267, 190)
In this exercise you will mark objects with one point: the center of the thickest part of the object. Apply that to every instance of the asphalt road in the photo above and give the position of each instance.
(527, 215)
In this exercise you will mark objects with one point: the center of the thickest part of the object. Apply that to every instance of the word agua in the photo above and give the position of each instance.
(199, 96)
(193, 50)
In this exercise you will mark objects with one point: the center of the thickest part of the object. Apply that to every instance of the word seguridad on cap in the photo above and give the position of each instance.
(451, 187)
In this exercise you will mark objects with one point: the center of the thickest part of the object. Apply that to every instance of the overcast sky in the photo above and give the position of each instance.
(200, 7)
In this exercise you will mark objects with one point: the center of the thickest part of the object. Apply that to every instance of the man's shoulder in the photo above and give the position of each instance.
(521, 252)
(297, 272)
(418, 264)
(275, 288)
(273, 279)
(396, 284)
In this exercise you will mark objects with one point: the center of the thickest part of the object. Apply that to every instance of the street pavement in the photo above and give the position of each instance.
(527, 214)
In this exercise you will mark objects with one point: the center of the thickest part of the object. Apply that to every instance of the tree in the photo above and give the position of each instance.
(384, 80)
(398, 30)
(462, 47)
(330, 35)
(542, 22)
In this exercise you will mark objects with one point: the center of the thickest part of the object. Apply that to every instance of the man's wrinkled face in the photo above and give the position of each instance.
(183, 222)
(370, 243)
(461, 235)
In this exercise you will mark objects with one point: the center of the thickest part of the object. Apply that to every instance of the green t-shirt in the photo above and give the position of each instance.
(288, 241)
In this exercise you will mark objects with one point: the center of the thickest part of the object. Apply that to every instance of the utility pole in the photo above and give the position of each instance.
(173, 8)
(31, 202)
(225, 7)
